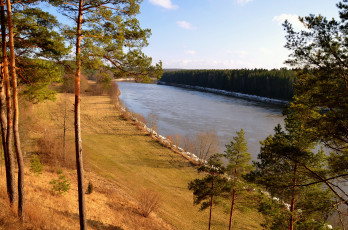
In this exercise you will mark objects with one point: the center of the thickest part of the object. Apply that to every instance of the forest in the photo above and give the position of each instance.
(275, 83)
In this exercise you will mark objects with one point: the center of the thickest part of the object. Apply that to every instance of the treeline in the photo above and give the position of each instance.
(275, 83)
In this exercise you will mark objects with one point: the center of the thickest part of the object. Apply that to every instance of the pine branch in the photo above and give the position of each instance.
(320, 181)
(327, 183)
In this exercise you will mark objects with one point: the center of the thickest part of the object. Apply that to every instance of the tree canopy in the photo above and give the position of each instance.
(320, 53)
(111, 37)
(321, 91)
(38, 44)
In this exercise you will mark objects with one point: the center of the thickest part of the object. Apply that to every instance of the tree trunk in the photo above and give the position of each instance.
(64, 131)
(17, 142)
(211, 200)
(3, 122)
(292, 206)
(233, 197)
(64, 142)
(78, 140)
(232, 207)
(10, 181)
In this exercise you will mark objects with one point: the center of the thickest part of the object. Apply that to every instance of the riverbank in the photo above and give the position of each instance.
(120, 161)
(127, 79)
(118, 150)
(229, 93)
(164, 141)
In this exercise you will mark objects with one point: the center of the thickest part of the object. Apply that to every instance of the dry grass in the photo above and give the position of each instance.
(107, 207)
(38, 217)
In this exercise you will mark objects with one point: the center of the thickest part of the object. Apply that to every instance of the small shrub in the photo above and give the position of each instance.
(51, 149)
(89, 188)
(114, 94)
(60, 185)
(35, 165)
(148, 201)
(68, 85)
(177, 140)
(152, 121)
(170, 141)
(103, 82)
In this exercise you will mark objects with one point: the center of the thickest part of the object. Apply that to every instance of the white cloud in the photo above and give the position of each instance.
(185, 25)
(243, 2)
(164, 3)
(292, 18)
(190, 52)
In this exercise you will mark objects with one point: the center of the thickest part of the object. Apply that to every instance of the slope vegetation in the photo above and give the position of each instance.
(120, 161)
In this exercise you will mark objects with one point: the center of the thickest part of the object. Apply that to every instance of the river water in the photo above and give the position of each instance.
(185, 111)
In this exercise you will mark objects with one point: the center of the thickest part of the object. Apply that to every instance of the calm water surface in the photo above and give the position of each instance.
(185, 111)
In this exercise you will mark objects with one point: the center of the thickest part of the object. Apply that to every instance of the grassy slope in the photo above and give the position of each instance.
(117, 150)
(120, 161)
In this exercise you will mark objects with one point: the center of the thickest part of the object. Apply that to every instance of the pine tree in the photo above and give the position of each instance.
(290, 171)
(102, 27)
(211, 186)
(17, 142)
(320, 54)
(33, 31)
(238, 165)
(6, 122)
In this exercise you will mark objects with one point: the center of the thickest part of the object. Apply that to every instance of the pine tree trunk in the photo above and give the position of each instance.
(64, 131)
(78, 140)
(233, 197)
(3, 122)
(64, 141)
(232, 207)
(292, 205)
(10, 181)
(211, 200)
(17, 142)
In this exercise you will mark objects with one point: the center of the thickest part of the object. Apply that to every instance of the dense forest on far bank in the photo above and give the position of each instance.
(275, 83)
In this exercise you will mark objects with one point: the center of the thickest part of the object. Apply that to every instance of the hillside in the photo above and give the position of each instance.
(120, 161)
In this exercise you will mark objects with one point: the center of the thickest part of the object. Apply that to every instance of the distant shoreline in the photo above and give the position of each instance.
(229, 93)
(128, 79)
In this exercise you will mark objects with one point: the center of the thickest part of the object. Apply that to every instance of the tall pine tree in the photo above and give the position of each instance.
(320, 54)
(290, 170)
(101, 27)
(207, 190)
(238, 165)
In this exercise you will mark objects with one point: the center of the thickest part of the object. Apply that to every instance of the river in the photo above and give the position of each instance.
(185, 111)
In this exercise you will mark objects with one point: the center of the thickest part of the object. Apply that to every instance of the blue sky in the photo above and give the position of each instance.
(224, 34)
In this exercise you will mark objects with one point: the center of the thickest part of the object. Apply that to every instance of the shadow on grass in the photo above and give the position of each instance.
(91, 223)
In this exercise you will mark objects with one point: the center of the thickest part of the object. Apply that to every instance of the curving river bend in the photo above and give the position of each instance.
(184, 111)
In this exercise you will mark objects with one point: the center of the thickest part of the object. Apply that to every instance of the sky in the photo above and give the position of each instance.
(224, 34)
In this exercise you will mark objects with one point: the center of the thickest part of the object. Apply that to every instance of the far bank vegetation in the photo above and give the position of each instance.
(275, 83)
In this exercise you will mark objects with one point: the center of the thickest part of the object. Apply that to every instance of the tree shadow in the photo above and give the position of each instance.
(91, 223)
